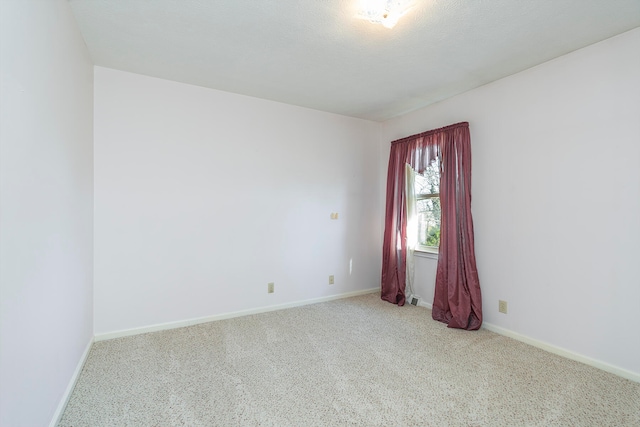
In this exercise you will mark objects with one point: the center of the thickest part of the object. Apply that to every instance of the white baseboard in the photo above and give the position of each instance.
(421, 302)
(624, 373)
(424, 304)
(72, 383)
(190, 322)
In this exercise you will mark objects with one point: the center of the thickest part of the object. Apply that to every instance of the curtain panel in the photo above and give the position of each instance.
(457, 297)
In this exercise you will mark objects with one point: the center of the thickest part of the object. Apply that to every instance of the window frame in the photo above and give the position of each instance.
(431, 250)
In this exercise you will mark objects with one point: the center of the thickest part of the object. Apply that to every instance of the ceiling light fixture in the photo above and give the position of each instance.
(384, 12)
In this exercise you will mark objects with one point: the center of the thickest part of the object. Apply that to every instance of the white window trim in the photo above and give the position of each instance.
(426, 252)
(424, 196)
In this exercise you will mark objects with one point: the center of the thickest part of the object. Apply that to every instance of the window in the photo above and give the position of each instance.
(427, 187)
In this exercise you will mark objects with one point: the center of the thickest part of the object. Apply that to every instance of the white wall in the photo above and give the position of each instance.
(203, 197)
(425, 267)
(556, 197)
(46, 206)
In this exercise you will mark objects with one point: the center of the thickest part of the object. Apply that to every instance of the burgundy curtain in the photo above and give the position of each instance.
(418, 151)
(457, 299)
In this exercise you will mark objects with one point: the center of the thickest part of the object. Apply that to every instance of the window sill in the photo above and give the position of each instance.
(425, 254)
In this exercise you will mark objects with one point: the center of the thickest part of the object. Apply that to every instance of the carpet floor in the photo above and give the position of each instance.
(351, 362)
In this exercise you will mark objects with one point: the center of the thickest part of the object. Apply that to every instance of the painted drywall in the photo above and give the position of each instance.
(203, 197)
(46, 205)
(556, 197)
(425, 267)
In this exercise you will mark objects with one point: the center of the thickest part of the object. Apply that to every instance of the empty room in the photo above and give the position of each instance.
(319, 213)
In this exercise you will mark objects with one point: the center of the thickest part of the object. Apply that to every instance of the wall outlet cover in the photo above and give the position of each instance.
(502, 306)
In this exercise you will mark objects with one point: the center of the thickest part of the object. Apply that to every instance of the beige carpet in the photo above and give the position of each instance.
(352, 362)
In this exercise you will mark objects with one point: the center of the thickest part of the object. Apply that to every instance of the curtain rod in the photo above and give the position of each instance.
(431, 132)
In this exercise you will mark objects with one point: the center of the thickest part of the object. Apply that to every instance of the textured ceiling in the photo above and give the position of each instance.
(316, 54)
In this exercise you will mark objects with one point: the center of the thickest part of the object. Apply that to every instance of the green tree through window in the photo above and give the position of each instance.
(427, 186)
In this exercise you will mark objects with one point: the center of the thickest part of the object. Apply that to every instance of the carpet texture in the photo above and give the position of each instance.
(352, 362)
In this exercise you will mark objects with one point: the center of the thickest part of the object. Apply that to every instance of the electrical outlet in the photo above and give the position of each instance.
(331, 281)
(502, 306)
(270, 287)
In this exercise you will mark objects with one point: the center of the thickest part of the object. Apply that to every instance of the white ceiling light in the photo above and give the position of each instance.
(385, 12)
